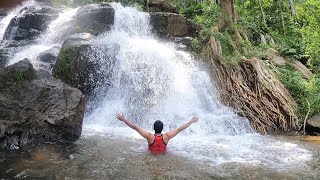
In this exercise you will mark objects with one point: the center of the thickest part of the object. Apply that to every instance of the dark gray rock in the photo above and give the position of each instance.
(30, 23)
(94, 18)
(35, 108)
(74, 66)
(49, 56)
(313, 125)
(79, 64)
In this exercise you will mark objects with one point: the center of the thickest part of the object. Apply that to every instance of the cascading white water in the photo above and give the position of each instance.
(14, 12)
(53, 37)
(152, 80)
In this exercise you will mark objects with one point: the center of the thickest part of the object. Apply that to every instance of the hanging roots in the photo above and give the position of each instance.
(254, 92)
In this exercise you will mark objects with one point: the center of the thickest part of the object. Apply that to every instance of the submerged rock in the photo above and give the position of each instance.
(36, 108)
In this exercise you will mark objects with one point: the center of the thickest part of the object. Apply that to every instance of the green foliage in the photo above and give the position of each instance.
(302, 90)
(308, 18)
(63, 66)
(18, 76)
(196, 45)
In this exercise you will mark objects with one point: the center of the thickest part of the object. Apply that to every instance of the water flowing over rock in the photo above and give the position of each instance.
(36, 108)
(74, 65)
(30, 23)
(94, 19)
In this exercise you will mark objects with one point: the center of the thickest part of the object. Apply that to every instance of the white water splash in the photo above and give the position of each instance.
(152, 80)
(14, 12)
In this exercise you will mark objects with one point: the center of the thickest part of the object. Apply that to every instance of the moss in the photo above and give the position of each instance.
(63, 65)
(18, 76)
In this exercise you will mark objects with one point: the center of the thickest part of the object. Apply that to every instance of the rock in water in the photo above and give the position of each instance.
(313, 125)
(94, 19)
(77, 64)
(35, 108)
(30, 23)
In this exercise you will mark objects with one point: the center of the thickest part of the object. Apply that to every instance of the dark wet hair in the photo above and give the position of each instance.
(158, 126)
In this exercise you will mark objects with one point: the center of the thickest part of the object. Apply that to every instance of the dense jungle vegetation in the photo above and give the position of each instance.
(251, 27)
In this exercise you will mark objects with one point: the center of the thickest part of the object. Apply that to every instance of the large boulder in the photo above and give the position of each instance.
(298, 66)
(161, 6)
(35, 108)
(83, 65)
(313, 125)
(74, 65)
(94, 18)
(30, 23)
(165, 24)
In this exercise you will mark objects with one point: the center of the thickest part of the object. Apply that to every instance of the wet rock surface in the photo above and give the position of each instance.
(36, 108)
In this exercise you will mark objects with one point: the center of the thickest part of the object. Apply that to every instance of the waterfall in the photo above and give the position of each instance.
(153, 80)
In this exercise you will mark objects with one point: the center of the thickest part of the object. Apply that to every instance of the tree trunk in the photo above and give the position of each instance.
(262, 13)
(293, 9)
(228, 15)
(228, 18)
(282, 18)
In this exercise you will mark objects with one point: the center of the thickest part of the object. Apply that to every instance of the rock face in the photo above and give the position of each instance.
(49, 58)
(165, 24)
(161, 6)
(313, 125)
(94, 19)
(36, 108)
(74, 66)
(30, 23)
(79, 66)
(298, 66)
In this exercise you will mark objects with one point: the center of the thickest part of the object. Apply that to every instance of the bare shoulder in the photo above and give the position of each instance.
(165, 138)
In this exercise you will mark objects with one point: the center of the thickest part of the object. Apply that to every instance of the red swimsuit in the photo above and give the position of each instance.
(158, 145)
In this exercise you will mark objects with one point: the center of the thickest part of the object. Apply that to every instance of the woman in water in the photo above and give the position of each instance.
(157, 142)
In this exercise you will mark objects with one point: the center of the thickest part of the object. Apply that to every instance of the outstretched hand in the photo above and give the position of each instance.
(194, 119)
(120, 117)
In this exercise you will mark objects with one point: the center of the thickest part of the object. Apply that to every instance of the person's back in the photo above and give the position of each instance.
(158, 145)
(157, 142)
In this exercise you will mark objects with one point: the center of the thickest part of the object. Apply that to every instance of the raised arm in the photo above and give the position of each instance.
(173, 133)
(141, 131)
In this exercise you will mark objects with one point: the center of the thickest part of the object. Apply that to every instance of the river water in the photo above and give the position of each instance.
(150, 80)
